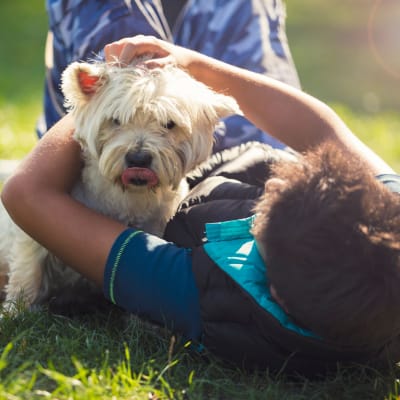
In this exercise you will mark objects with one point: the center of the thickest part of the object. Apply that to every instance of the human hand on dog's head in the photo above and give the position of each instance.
(154, 52)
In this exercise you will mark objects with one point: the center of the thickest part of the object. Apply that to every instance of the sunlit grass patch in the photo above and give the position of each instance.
(380, 131)
(111, 357)
(17, 124)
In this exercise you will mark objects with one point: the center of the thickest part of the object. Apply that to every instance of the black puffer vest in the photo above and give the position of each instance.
(235, 327)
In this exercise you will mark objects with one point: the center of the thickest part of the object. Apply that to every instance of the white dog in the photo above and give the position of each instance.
(141, 130)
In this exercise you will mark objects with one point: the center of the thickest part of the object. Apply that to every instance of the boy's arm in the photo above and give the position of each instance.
(139, 272)
(37, 198)
(293, 117)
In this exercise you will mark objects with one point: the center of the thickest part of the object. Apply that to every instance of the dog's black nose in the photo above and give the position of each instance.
(140, 159)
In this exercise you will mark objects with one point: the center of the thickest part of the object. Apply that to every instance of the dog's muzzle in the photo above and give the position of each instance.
(138, 171)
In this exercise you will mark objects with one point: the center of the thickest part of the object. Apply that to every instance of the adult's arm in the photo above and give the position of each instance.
(292, 116)
(37, 198)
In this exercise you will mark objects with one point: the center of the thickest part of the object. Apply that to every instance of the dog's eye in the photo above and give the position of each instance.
(169, 125)
(116, 122)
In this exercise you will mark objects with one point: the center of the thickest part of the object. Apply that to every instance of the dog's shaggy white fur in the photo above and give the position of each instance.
(141, 130)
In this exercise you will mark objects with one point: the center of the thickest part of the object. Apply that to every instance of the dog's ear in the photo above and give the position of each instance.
(80, 81)
(87, 82)
(225, 106)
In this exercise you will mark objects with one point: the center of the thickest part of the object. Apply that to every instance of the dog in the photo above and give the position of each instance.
(141, 131)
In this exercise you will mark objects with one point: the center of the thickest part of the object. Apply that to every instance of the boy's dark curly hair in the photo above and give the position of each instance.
(331, 236)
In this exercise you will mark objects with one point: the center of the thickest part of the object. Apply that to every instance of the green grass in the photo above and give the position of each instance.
(17, 135)
(23, 32)
(380, 131)
(108, 356)
(347, 51)
(339, 63)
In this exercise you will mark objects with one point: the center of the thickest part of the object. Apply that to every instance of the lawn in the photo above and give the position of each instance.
(23, 31)
(347, 54)
(108, 356)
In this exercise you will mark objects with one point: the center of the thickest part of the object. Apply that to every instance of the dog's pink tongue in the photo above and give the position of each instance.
(139, 176)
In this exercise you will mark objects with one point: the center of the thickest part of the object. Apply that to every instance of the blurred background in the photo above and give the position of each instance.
(347, 54)
(348, 51)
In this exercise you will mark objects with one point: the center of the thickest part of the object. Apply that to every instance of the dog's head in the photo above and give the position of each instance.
(143, 127)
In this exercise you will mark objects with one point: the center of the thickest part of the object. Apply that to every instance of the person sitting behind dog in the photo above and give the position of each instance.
(291, 267)
(249, 34)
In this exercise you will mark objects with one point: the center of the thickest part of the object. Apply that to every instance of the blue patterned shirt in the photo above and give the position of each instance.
(249, 34)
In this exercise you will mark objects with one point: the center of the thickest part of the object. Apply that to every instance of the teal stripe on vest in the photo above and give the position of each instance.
(232, 247)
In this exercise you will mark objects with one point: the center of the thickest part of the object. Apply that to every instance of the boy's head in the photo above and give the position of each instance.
(331, 237)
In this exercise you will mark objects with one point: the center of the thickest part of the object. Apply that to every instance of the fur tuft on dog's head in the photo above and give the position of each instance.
(163, 112)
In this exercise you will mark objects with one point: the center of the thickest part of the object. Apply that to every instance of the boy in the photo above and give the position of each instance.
(301, 284)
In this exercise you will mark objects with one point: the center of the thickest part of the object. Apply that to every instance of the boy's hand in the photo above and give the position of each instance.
(161, 53)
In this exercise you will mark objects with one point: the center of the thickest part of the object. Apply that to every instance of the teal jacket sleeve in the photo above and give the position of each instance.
(153, 279)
